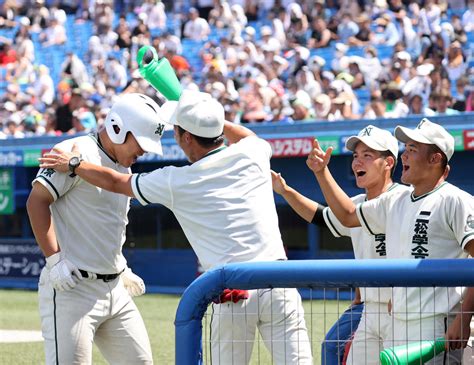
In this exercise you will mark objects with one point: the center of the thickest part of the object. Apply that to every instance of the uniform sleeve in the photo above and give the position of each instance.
(461, 217)
(57, 183)
(258, 149)
(154, 187)
(372, 215)
(336, 227)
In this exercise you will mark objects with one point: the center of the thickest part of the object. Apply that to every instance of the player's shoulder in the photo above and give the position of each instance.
(80, 141)
(451, 192)
(360, 198)
(397, 190)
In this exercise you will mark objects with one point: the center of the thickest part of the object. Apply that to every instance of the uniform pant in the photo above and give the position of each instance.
(373, 334)
(333, 346)
(279, 316)
(430, 328)
(94, 311)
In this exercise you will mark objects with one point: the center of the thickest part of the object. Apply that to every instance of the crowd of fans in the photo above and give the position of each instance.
(265, 60)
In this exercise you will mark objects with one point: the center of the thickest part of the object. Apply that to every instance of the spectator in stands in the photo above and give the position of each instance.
(156, 16)
(443, 102)
(179, 63)
(302, 108)
(416, 107)
(453, 62)
(7, 14)
(44, 87)
(64, 112)
(358, 77)
(7, 52)
(403, 58)
(322, 106)
(376, 108)
(196, 28)
(54, 34)
(25, 47)
(83, 121)
(365, 35)
(38, 14)
(347, 28)
(386, 32)
(468, 17)
(204, 7)
(141, 27)
(394, 105)
(124, 35)
(73, 68)
(221, 16)
(22, 72)
(14, 127)
(320, 34)
(116, 73)
(459, 97)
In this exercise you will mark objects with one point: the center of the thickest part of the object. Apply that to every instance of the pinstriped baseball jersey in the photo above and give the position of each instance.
(224, 203)
(94, 244)
(365, 245)
(432, 226)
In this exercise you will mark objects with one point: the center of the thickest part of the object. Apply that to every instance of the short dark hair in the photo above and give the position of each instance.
(435, 149)
(204, 141)
(386, 154)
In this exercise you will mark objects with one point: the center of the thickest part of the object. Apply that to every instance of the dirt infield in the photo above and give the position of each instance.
(11, 336)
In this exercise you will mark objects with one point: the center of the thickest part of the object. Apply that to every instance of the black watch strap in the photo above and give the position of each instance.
(73, 166)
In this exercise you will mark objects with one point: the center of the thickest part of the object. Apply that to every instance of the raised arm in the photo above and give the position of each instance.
(340, 204)
(303, 206)
(100, 176)
(235, 132)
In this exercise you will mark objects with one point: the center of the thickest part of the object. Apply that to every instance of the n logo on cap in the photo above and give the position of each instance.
(366, 131)
(159, 130)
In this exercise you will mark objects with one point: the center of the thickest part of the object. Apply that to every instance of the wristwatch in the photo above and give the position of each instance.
(74, 163)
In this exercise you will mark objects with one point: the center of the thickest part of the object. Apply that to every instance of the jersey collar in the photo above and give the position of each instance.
(95, 137)
(416, 198)
(218, 149)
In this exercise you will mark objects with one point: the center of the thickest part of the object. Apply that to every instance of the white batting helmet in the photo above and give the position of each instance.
(139, 115)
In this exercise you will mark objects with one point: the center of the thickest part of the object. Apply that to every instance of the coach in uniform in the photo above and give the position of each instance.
(375, 154)
(224, 203)
(85, 285)
(432, 220)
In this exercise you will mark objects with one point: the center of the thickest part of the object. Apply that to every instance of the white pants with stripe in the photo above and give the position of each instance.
(94, 311)
(429, 328)
(373, 334)
(279, 316)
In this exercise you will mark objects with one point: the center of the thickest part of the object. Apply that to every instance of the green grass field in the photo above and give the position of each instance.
(19, 311)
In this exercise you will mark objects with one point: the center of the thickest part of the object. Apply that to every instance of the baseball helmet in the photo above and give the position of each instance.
(139, 115)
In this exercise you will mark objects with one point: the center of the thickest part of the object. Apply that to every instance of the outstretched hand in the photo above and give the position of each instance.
(318, 159)
(278, 182)
(58, 159)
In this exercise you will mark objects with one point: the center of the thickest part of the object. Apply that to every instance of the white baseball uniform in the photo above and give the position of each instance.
(225, 206)
(90, 228)
(432, 226)
(375, 328)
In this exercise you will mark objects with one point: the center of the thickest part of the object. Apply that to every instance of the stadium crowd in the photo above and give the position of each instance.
(63, 63)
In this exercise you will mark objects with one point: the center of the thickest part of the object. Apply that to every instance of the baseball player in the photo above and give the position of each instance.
(85, 288)
(224, 203)
(433, 219)
(375, 154)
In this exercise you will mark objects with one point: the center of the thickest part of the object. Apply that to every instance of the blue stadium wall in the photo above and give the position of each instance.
(170, 268)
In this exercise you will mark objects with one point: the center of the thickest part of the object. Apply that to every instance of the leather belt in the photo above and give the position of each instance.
(104, 277)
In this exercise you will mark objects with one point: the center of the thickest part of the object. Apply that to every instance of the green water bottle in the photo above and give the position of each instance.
(415, 353)
(158, 73)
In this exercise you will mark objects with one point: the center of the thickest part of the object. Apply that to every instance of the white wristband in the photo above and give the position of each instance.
(53, 259)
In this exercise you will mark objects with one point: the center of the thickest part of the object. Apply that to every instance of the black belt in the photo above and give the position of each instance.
(104, 277)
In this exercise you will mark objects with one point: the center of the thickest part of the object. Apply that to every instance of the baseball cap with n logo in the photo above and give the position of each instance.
(429, 133)
(375, 138)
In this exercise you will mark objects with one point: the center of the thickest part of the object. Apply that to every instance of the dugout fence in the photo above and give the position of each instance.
(313, 275)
